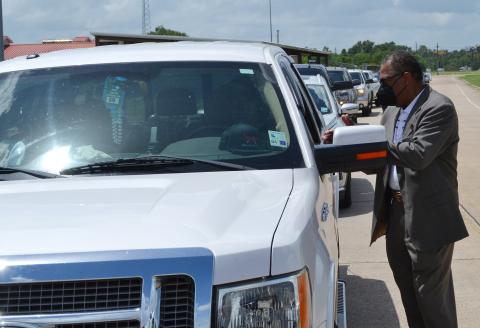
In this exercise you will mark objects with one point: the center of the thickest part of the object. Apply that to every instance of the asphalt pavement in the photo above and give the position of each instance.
(373, 299)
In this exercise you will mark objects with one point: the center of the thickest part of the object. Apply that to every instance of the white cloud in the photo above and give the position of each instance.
(441, 19)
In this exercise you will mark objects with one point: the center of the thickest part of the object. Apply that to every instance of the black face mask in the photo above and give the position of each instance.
(385, 95)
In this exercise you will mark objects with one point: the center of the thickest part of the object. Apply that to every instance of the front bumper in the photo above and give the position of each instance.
(362, 101)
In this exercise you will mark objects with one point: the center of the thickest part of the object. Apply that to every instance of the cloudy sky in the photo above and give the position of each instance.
(338, 24)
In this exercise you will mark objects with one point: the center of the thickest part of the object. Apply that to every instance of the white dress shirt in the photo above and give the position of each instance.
(397, 137)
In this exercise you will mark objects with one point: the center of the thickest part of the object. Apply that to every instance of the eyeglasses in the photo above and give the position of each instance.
(384, 80)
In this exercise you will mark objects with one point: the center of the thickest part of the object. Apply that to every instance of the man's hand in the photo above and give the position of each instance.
(347, 120)
(327, 136)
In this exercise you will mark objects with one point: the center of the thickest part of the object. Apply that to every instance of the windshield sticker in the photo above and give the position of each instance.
(277, 139)
(113, 96)
(248, 71)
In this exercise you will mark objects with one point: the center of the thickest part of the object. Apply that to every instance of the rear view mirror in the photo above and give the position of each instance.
(369, 81)
(342, 85)
(356, 82)
(354, 148)
(349, 108)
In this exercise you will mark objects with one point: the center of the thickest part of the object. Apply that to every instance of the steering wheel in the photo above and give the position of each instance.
(206, 131)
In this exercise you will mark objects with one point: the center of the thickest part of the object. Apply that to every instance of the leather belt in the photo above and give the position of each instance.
(397, 197)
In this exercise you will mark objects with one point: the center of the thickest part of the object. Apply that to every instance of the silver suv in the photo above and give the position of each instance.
(341, 75)
(363, 95)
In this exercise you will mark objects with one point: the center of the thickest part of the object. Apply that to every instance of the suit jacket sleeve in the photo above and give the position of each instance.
(433, 134)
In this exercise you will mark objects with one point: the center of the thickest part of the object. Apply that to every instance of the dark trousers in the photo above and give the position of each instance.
(423, 277)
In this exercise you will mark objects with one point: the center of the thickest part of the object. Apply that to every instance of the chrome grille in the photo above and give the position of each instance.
(70, 296)
(108, 324)
(177, 302)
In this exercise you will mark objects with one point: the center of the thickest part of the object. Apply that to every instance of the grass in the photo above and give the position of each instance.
(473, 79)
(455, 73)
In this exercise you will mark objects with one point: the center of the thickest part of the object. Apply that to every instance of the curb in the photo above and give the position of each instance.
(470, 84)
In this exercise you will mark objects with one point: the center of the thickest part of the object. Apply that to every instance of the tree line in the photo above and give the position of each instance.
(367, 53)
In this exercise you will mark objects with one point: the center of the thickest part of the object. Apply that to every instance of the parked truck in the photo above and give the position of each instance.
(169, 185)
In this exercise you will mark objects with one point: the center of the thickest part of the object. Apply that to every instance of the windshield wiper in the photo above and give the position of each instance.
(145, 163)
(33, 173)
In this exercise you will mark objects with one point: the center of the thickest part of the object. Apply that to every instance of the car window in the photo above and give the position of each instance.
(366, 76)
(356, 76)
(302, 99)
(337, 76)
(52, 119)
(320, 97)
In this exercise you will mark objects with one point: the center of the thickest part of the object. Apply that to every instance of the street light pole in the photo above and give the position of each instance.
(1, 33)
(270, 9)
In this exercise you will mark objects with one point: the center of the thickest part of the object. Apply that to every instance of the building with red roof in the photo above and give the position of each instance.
(12, 50)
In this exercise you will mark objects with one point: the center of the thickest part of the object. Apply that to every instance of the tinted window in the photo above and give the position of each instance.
(337, 76)
(320, 97)
(356, 76)
(51, 119)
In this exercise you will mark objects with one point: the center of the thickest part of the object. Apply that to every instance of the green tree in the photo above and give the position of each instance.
(161, 30)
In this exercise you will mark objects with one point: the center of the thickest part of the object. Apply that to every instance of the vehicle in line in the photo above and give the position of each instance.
(427, 77)
(373, 84)
(364, 95)
(328, 108)
(341, 75)
(177, 184)
(319, 69)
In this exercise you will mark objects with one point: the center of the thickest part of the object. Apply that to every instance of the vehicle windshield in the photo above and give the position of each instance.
(320, 97)
(338, 76)
(356, 76)
(57, 118)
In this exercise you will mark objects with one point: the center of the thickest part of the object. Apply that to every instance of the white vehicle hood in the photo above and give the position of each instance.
(234, 214)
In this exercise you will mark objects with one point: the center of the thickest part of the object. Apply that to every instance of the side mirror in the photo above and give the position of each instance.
(369, 81)
(354, 148)
(356, 82)
(349, 108)
(342, 85)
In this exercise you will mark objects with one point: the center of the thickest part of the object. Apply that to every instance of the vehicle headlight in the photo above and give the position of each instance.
(360, 91)
(283, 302)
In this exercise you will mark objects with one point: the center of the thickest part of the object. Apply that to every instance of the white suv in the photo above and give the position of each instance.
(365, 97)
(167, 185)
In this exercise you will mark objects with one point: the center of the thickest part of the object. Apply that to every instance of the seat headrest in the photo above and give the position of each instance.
(175, 101)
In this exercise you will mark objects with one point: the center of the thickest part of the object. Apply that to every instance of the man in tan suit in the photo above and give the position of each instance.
(416, 196)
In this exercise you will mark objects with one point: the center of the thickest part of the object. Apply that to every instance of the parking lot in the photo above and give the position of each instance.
(372, 296)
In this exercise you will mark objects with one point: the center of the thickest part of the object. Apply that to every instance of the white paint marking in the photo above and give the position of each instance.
(466, 97)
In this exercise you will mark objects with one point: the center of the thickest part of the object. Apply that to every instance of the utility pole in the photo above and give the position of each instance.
(146, 17)
(415, 46)
(270, 9)
(2, 47)
(278, 36)
(438, 58)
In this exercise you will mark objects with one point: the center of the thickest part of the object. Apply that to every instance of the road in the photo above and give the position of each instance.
(373, 299)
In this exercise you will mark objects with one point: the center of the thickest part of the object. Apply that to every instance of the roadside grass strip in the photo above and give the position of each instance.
(473, 79)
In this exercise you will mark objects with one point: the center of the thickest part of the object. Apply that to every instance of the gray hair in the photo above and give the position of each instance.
(402, 61)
